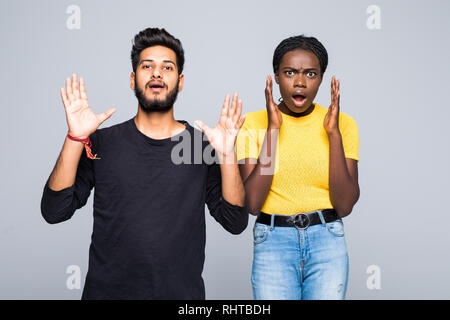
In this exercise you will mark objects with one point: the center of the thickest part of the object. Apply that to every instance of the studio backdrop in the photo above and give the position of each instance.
(391, 58)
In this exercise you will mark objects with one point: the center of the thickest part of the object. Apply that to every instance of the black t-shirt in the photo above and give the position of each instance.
(148, 240)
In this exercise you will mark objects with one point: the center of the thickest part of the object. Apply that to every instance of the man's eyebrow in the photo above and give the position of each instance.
(151, 60)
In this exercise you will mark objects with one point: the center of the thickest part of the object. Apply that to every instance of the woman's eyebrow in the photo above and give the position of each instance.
(305, 69)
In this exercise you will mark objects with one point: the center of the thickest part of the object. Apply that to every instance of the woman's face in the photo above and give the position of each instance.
(299, 78)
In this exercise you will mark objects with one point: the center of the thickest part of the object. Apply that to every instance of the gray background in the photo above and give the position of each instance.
(394, 82)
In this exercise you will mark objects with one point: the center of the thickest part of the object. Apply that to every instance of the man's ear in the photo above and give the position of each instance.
(181, 82)
(277, 78)
(132, 80)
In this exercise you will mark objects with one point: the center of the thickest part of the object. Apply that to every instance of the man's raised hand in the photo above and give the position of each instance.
(223, 136)
(82, 121)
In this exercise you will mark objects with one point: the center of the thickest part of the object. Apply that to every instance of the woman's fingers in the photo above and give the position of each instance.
(268, 91)
(338, 95)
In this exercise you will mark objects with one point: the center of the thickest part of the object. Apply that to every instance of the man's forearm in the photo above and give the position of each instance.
(65, 170)
(343, 192)
(232, 186)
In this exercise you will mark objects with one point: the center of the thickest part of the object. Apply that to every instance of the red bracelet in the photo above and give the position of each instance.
(87, 145)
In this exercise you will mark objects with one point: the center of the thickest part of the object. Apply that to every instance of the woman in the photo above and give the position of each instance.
(298, 161)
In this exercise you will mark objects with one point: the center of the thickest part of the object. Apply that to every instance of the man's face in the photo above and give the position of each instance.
(156, 82)
(299, 78)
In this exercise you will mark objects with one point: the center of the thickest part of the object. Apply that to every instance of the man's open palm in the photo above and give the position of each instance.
(82, 121)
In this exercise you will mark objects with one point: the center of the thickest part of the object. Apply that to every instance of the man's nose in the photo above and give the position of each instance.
(156, 73)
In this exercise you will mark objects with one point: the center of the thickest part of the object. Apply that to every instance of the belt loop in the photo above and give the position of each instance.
(272, 221)
(322, 219)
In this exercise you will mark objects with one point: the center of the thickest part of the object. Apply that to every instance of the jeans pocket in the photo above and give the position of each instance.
(336, 228)
(260, 232)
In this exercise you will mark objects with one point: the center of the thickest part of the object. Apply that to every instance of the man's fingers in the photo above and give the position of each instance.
(226, 103)
(69, 89)
(232, 109)
(237, 112)
(105, 115)
(83, 92)
(65, 100)
(75, 89)
(241, 122)
(205, 129)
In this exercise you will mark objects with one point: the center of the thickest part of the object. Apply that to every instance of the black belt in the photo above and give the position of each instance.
(300, 220)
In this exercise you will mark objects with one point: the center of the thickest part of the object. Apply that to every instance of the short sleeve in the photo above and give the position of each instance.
(247, 142)
(350, 137)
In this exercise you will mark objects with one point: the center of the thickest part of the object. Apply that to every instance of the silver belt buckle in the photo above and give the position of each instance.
(301, 221)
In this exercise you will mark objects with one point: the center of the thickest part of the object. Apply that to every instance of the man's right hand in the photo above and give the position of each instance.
(82, 121)
(273, 113)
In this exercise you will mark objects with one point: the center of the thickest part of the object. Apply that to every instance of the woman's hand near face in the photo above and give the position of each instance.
(331, 121)
(273, 113)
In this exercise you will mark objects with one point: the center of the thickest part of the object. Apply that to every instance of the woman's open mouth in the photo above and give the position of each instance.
(299, 99)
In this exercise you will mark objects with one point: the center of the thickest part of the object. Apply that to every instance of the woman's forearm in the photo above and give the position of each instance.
(257, 183)
(343, 191)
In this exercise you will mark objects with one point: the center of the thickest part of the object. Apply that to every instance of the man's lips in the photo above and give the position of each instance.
(155, 87)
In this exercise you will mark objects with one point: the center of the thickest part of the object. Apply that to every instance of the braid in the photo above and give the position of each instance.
(303, 43)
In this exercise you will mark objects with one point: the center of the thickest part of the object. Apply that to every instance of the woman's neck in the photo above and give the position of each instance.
(284, 109)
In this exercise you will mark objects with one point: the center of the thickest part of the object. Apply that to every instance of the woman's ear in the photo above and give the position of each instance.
(277, 78)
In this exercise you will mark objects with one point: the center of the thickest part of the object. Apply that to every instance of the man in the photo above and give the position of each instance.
(148, 239)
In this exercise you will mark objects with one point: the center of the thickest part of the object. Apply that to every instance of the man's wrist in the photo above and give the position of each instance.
(227, 158)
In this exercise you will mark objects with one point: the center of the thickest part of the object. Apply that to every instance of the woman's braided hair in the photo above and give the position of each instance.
(300, 43)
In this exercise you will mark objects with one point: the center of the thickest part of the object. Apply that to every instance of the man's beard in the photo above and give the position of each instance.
(155, 105)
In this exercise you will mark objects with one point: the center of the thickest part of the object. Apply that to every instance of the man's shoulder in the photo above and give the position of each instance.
(113, 129)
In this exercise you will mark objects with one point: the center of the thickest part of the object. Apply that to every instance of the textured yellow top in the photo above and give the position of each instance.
(300, 182)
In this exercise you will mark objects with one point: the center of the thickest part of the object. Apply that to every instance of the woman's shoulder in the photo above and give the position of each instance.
(343, 117)
(256, 118)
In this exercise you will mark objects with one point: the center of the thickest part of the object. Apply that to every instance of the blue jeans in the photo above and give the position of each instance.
(295, 264)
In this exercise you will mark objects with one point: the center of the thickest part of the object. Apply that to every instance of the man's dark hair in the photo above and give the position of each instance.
(156, 37)
(300, 43)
